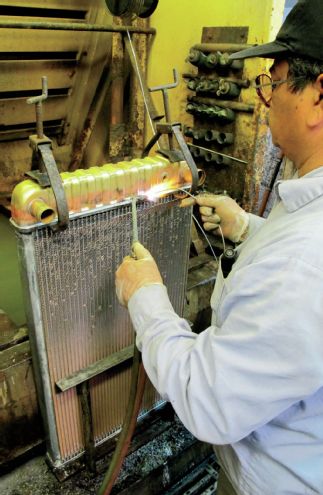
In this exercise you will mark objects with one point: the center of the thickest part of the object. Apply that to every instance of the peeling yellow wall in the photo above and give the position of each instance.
(179, 26)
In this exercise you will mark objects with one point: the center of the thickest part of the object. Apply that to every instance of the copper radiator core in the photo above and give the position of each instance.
(74, 317)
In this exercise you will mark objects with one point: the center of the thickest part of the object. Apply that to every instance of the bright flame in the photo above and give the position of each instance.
(159, 190)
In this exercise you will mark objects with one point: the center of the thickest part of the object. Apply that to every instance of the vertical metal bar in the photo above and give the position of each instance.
(83, 391)
(134, 220)
(29, 272)
(39, 120)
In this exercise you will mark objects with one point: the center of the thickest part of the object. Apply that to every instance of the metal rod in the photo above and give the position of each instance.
(217, 153)
(74, 26)
(37, 100)
(234, 105)
(150, 107)
(135, 237)
(220, 47)
(87, 422)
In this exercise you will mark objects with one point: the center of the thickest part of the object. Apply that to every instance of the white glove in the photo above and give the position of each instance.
(136, 272)
(219, 210)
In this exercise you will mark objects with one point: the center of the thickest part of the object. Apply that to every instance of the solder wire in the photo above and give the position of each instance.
(141, 83)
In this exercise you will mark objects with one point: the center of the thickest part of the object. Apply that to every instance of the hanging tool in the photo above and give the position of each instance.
(44, 169)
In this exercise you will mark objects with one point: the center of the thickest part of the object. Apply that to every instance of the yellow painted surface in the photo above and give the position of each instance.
(11, 301)
(179, 26)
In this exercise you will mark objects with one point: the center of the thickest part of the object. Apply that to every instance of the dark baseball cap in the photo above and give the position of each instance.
(301, 35)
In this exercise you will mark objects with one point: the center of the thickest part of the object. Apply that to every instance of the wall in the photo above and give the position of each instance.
(179, 26)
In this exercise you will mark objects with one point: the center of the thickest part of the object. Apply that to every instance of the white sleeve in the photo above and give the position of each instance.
(263, 357)
(255, 222)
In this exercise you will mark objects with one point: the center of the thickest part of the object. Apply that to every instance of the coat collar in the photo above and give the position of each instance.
(298, 192)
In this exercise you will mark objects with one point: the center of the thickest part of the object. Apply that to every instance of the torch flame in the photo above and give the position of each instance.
(159, 190)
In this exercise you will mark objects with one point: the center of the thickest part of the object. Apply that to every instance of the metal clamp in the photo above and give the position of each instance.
(44, 168)
(175, 155)
(172, 130)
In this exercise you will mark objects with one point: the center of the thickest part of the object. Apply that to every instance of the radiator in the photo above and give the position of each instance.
(73, 315)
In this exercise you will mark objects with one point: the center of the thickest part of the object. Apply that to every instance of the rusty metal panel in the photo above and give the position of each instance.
(67, 4)
(65, 57)
(13, 76)
(17, 111)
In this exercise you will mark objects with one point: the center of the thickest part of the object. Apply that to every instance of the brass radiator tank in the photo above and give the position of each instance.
(74, 318)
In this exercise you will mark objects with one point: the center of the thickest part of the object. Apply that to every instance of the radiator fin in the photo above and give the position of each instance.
(81, 317)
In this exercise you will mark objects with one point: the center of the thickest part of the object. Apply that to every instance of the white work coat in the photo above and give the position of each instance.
(252, 383)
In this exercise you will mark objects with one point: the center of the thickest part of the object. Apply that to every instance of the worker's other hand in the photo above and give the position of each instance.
(136, 272)
(220, 210)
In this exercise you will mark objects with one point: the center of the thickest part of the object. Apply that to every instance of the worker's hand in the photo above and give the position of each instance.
(136, 272)
(220, 210)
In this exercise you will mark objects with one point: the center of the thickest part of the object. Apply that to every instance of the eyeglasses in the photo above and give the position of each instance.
(265, 86)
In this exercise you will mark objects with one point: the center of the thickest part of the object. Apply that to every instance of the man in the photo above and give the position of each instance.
(252, 383)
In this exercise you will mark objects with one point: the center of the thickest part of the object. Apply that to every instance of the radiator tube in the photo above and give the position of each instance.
(211, 60)
(225, 115)
(223, 160)
(228, 89)
(222, 138)
(198, 153)
(192, 84)
(225, 138)
(210, 157)
(199, 133)
(207, 86)
(194, 133)
(196, 57)
(41, 211)
(224, 61)
(211, 135)
(189, 131)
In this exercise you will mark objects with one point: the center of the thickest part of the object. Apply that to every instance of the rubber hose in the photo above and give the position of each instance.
(137, 387)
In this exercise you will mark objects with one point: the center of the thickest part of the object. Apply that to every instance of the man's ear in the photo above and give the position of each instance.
(315, 116)
(319, 87)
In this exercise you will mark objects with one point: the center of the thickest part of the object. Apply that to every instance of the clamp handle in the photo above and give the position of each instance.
(164, 89)
(37, 101)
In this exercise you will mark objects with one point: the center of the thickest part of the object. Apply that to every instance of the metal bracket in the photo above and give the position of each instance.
(44, 168)
(175, 155)
(172, 130)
